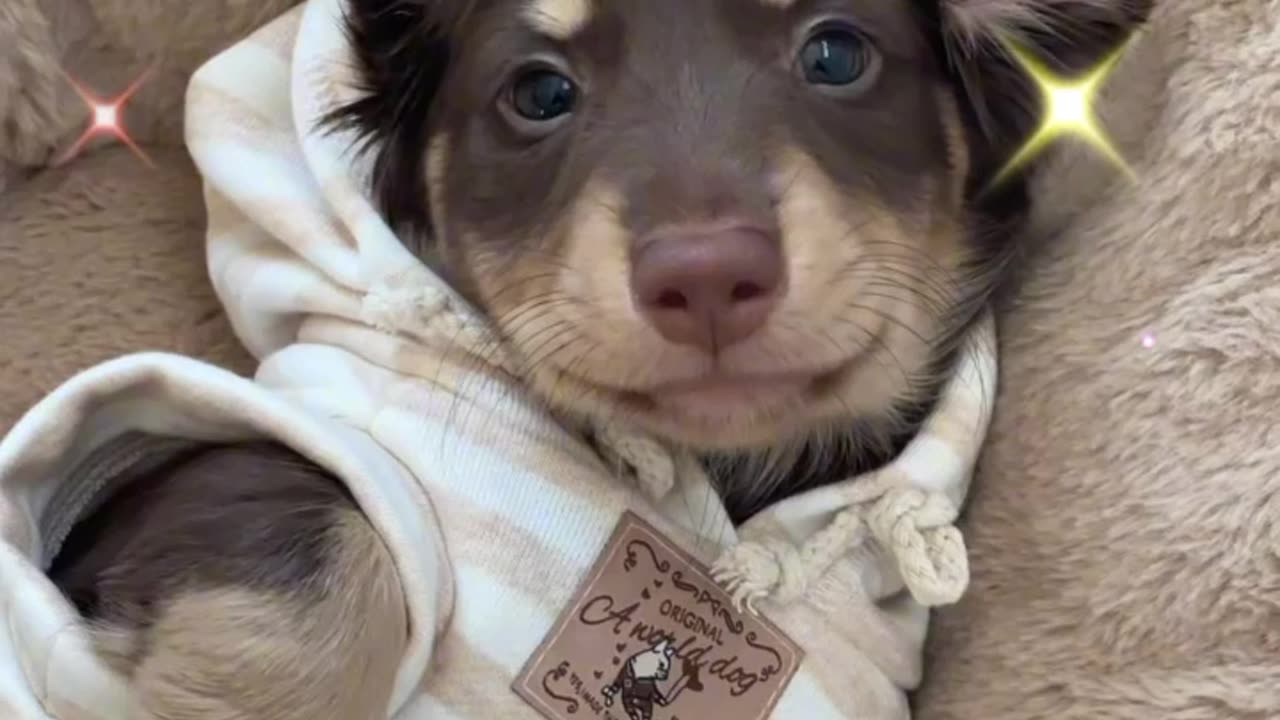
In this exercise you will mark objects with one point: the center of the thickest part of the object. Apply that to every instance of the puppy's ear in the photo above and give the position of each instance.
(999, 100)
(402, 49)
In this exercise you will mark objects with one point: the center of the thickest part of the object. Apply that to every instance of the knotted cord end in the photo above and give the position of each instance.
(915, 527)
(754, 571)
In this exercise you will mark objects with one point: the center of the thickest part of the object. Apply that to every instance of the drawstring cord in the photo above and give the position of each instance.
(914, 526)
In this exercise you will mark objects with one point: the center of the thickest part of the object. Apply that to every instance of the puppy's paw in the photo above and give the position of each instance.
(242, 583)
(39, 109)
(237, 654)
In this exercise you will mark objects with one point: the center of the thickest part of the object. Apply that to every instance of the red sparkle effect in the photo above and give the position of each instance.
(106, 119)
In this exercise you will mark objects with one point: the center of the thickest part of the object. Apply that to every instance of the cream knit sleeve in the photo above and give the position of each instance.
(52, 466)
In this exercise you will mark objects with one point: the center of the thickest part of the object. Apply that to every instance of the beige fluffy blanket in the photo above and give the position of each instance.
(106, 45)
(85, 250)
(1125, 523)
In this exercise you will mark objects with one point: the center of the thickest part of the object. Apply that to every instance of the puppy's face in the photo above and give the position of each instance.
(737, 223)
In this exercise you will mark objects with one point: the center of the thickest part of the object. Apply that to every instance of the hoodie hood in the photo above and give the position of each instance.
(293, 235)
(298, 253)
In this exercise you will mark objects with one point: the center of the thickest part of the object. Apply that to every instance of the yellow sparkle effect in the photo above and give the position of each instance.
(1068, 109)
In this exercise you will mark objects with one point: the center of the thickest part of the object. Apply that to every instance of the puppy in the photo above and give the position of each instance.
(754, 228)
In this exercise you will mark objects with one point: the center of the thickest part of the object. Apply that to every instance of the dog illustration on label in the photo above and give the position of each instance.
(638, 685)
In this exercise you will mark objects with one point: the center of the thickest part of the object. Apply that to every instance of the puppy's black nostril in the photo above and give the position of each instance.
(672, 300)
(745, 291)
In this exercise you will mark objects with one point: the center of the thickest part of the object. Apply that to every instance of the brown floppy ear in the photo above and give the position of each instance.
(1000, 103)
(402, 50)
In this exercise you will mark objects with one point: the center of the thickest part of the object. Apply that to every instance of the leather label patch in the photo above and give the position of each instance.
(650, 636)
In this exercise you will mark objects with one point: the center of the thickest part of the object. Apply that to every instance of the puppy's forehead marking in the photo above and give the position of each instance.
(560, 19)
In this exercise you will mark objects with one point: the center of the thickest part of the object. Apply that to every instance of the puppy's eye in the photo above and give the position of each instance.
(542, 95)
(839, 57)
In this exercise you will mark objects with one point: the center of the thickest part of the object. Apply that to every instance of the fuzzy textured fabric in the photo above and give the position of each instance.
(1125, 521)
(85, 252)
(85, 248)
(29, 90)
(28, 80)
(106, 45)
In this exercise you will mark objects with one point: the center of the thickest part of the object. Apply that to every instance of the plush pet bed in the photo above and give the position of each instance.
(105, 45)
(105, 255)
(1124, 527)
(100, 259)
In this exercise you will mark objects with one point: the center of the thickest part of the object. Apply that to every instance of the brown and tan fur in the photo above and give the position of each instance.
(223, 585)
(890, 240)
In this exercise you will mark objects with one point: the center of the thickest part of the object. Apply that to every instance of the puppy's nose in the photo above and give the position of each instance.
(707, 290)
